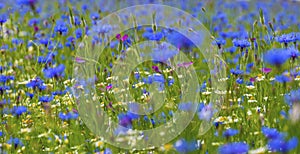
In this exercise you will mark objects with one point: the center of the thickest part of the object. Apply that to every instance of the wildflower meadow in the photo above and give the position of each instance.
(152, 76)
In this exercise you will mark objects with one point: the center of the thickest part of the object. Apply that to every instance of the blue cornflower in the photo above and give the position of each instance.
(286, 38)
(206, 112)
(293, 53)
(125, 120)
(30, 95)
(49, 58)
(27, 2)
(282, 78)
(276, 57)
(54, 72)
(45, 99)
(219, 42)
(16, 142)
(78, 33)
(240, 81)
(183, 146)
(61, 27)
(1, 133)
(234, 148)
(33, 21)
(18, 110)
(4, 78)
(179, 40)
(77, 21)
(163, 53)
(17, 41)
(272, 133)
(3, 19)
(36, 83)
(244, 43)
(3, 88)
(70, 42)
(230, 132)
(107, 151)
(292, 97)
(101, 29)
(280, 145)
(151, 35)
(186, 106)
(236, 71)
(68, 116)
(95, 16)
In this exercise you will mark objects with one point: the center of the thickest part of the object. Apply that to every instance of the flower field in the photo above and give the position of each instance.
(242, 95)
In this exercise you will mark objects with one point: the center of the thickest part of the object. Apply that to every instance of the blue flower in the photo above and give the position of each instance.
(1, 133)
(4, 78)
(186, 106)
(183, 146)
(293, 53)
(206, 112)
(16, 142)
(282, 78)
(68, 116)
(276, 57)
(18, 110)
(272, 133)
(236, 71)
(286, 38)
(292, 97)
(280, 145)
(241, 43)
(36, 83)
(107, 151)
(219, 42)
(61, 27)
(54, 72)
(163, 53)
(26, 2)
(154, 36)
(45, 99)
(3, 19)
(240, 81)
(234, 148)
(78, 33)
(33, 22)
(178, 40)
(230, 132)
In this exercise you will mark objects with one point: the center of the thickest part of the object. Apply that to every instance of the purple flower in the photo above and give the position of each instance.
(266, 70)
(234, 148)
